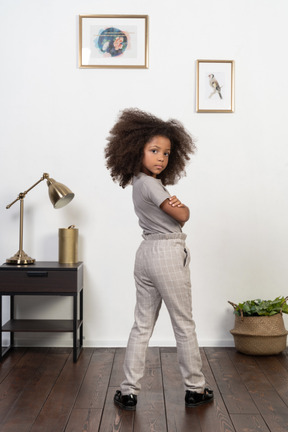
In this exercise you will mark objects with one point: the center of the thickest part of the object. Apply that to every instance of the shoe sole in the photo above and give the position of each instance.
(198, 403)
(124, 407)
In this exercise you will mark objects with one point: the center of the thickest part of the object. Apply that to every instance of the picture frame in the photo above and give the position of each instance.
(113, 41)
(215, 86)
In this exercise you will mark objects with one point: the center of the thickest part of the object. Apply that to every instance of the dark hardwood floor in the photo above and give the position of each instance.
(43, 390)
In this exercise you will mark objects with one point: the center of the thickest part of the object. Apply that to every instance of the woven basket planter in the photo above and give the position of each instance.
(259, 335)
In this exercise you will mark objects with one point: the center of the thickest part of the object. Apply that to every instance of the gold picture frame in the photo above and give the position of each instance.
(113, 41)
(215, 86)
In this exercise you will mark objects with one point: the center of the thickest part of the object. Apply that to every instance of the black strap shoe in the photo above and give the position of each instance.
(126, 402)
(193, 399)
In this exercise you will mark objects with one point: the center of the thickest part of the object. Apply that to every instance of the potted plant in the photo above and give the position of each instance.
(259, 326)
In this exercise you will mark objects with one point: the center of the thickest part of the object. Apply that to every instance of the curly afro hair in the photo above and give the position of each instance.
(128, 137)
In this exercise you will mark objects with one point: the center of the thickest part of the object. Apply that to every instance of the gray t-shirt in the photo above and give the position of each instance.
(148, 194)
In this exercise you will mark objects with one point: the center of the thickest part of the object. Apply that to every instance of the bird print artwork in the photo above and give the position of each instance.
(215, 85)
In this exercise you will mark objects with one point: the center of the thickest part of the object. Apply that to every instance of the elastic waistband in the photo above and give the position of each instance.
(168, 236)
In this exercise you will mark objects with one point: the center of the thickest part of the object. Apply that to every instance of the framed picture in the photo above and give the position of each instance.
(113, 41)
(215, 86)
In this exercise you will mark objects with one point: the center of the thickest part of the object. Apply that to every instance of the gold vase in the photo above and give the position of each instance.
(68, 245)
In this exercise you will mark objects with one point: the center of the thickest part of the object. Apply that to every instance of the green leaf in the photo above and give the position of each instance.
(260, 307)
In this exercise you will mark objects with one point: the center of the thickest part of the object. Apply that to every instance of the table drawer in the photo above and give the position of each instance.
(41, 280)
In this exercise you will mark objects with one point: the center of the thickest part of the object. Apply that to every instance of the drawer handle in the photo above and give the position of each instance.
(37, 274)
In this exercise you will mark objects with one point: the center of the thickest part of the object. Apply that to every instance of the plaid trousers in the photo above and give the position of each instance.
(162, 273)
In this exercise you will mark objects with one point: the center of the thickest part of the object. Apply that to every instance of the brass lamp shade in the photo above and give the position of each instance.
(59, 194)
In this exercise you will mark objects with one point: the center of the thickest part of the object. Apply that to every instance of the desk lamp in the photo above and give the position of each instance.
(59, 195)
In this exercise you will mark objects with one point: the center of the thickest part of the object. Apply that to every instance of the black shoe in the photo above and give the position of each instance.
(193, 399)
(126, 402)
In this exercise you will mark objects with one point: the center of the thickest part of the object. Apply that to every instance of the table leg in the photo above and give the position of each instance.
(1, 327)
(4, 350)
(12, 309)
(81, 319)
(75, 313)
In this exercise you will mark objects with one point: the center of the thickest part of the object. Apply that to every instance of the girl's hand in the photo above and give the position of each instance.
(175, 202)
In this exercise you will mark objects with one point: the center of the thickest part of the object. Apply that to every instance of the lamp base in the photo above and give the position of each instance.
(20, 258)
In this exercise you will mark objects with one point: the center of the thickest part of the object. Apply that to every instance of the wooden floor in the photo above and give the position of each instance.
(43, 390)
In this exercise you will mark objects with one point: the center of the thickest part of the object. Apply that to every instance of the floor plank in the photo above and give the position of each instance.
(150, 414)
(15, 384)
(233, 391)
(179, 419)
(83, 419)
(272, 408)
(55, 413)
(10, 361)
(94, 388)
(30, 401)
(114, 419)
(249, 423)
(41, 389)
(214, 416)
(276, 374)
(117, 375)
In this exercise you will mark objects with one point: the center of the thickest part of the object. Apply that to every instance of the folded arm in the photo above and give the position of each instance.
(176, 209)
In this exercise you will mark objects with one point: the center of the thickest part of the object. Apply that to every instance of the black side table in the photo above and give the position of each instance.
(44, 279)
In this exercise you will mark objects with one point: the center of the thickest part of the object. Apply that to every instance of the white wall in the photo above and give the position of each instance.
(55, 118)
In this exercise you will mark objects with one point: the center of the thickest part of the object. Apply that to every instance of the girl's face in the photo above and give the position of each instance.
(156, 155)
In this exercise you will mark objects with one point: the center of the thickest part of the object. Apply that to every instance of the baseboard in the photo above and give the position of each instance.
(61, 340)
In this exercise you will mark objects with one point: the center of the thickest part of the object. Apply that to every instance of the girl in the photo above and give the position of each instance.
(151, 153)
